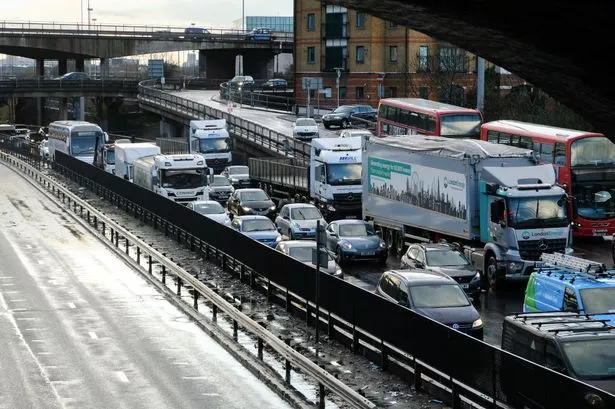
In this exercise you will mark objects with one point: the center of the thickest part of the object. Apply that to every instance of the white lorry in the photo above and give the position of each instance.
(182, 177)
(209, 138)
(127, 153)
(332, 179)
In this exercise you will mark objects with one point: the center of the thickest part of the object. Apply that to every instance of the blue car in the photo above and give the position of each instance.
(355, 240)
(259, 228)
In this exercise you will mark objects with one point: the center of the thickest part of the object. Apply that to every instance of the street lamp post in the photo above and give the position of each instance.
(243, 15)
(89, 14)
(81, 14)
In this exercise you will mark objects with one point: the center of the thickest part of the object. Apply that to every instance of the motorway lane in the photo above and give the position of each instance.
(80, 329)
(493, 306)
(278, 121)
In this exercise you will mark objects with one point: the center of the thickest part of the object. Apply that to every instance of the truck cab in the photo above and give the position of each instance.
(211, 139)
(335, 177)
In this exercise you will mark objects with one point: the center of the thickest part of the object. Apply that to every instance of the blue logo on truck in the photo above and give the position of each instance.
(525, 235)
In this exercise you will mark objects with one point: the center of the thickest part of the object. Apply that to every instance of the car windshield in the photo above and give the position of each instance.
(183, 179)
(595, 197)
(343, 174)
(305, 213)
(258, 225)
(342, 110)
(441, 258)
(533, 212)
(85, 142)
(356, 230)
(238, 170)
(598, 300)
(461, 125)
(305, 122)
(214, 145)
(599, 364)
(592, 151)
(220, 180)
(304, 253)
(253, 196)
(209, 208)
(438, 296)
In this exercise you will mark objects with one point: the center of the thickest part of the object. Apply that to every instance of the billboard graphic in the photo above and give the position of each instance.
(430, 188)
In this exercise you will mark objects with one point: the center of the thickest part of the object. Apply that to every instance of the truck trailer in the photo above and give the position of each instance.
(210, 138)
(183, 177)
(331, 179)
(127, 153)
(495, 200)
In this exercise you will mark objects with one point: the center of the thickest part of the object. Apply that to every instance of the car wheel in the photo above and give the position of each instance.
(344, 123)
(494, 275)
(339, 256)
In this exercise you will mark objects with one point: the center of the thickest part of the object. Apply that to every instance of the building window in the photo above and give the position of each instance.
(311, 55)
(380, 90)
(327, 92)
(360, 54)
(393, 53)
(423, 58)
(336, 57)
(452, 59)
(360, 19)
(342, 91)
(360, 93)
(311, 22)
(424, 92)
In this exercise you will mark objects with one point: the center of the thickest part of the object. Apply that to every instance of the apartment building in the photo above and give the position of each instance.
(358, 58)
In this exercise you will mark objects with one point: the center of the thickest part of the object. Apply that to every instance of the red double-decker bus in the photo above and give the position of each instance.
(411, 116)
(584, 163)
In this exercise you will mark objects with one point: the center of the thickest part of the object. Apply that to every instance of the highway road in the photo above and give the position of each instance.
(80, 329)
(277, 120)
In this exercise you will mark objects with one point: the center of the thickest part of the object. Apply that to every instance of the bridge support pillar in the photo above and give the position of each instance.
(63, 114)
(40, 102)
(222, 65)
(80, 64)
(170, 129)
(258, 63)
(62, 66)
(104, 68)
(40, 67)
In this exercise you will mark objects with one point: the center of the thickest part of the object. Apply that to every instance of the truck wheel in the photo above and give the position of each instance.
(494, 276)
(339, 256)
(387, 236)
(399, 243)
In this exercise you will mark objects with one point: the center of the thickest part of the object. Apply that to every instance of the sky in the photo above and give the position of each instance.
(176, 13)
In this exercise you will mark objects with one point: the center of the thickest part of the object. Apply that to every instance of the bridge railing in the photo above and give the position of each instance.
(260, 99)
(277, 143)
(51, 84)
(115, 30)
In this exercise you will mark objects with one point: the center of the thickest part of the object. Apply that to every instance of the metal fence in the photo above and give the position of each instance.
(434, 356)
(277, 143)
(270, 100)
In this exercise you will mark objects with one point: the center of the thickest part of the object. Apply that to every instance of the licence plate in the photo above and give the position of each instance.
(465, 286)
(351, 217)
(599, 232)
(368, 253)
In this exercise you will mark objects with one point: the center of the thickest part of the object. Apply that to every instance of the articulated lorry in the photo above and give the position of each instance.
(127, 153)
(496, 200)
(331, 179)
(210, 138)
(182, 177)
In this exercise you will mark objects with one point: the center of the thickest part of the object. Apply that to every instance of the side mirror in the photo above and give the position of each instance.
(285, 217)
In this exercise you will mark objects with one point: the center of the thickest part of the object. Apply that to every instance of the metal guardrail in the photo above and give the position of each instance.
(261, 99)
(277, 143)
(115, 235)
(50, 85)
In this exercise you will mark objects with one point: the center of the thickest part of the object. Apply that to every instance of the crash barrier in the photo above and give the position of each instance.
(277, 143)
(125, 242)
(445, 362)
(279, 101)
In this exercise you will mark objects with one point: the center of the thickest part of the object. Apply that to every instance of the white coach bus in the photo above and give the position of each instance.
(79, 139)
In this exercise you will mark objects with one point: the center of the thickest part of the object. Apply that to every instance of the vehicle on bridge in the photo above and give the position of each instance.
(305, 128)
(428, 188)
(331, 180)
(181, 178)
(260, 34)
(584, 163)
(197, 33)
(346, 115)
(73, 76)
(418, 116)
(241, 83)
(126, 154)
(79, 139)
(275, 84)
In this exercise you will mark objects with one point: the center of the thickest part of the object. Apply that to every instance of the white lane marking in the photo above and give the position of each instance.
(181, 363)
(43, 353)
(12, 292)
(6, 277)
(71, 305)
(93, 335)
(195, 377)
(18, 300)
(28, 246)
(210, 394)
(122, 376)
(41, 262)
(26, 318)
(7, 284)
(35, 329)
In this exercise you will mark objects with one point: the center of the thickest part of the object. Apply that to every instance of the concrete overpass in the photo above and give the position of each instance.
(562, 48)
(37, 88)
(58, 41)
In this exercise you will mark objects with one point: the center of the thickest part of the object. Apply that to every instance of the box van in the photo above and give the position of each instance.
(568, 283)
(570, 343)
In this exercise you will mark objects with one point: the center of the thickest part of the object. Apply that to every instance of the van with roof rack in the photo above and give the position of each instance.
(569, 283)
(569, 343)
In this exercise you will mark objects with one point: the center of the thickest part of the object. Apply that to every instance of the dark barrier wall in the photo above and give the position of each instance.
(483, 367)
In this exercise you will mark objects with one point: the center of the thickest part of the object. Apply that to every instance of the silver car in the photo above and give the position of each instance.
(305, 128)
(239, 175)
(298, 220)
(302, 251)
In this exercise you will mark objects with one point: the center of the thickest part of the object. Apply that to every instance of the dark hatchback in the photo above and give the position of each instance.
(434, 295)
(251, 201)
(446, 259)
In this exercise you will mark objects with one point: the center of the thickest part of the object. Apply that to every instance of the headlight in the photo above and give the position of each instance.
(272, 208)
(278, 239)
(347, 245)
(234, 180)
(339, 272)
(382, 244)
(476, 276)
(478, 323)
(245, 209)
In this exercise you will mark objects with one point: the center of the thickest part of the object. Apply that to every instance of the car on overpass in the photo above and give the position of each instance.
(241, 82)
(275, 84)
(74, 76)
(260, 34)
(197, 33)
